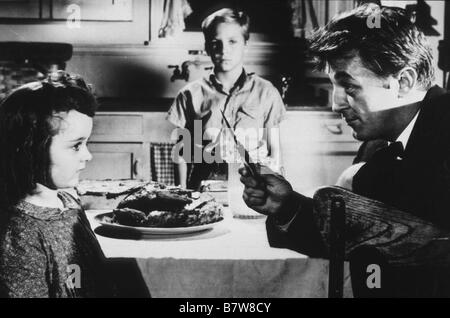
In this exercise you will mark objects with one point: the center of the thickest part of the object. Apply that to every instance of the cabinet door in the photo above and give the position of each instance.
(117, 161)
(316, 148)
(19, 9)
(312, 165)
(99, 10)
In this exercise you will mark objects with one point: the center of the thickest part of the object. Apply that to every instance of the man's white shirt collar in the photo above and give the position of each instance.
(406, 133)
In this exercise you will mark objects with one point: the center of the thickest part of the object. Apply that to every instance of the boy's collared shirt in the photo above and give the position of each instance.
(254, 104)
(242, 79)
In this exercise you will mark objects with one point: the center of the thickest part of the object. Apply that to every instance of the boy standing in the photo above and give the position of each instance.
(249, 102)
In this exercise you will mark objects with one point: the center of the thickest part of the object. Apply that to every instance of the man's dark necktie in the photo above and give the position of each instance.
(379, 177)
(395, 150)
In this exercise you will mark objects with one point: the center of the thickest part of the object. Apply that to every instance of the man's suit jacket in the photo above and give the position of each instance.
(419, 184)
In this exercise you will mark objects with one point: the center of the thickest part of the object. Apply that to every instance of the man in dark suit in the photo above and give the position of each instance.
(382, 73)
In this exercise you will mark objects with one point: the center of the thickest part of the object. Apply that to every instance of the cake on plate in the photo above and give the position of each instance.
(107, 194)
(167, 208)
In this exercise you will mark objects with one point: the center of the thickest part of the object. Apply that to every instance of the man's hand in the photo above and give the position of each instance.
(269, 194)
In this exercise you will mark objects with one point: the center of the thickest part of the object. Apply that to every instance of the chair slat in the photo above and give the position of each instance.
(402, 237)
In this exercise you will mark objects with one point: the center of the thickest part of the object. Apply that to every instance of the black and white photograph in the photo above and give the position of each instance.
(225, 154)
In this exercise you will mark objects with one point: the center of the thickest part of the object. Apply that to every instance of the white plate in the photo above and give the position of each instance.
(155, 230)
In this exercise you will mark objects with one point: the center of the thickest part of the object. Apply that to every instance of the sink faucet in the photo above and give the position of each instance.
(285, 82)
(184, 73)
(177, 74)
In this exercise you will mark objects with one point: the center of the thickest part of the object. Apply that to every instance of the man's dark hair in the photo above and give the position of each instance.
(384, 49)
(226, 15)
(28, 121)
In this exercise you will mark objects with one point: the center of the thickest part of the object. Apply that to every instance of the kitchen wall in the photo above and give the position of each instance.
(142, 72)
(126, 60)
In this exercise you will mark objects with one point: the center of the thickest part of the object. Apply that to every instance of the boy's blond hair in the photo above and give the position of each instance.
(226, 15)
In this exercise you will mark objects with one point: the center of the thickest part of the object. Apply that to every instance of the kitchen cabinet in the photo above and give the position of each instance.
(116, 161)
(48, 10)
(119, 147)
(82, 22)
(120, 144)
(20, 9)
(316, 147)
(99, 10)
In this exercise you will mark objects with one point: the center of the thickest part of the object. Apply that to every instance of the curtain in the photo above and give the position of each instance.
(175, 11)
(308, 15)
(305, 16)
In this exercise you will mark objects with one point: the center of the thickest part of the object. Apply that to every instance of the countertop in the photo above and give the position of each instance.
(162, 104)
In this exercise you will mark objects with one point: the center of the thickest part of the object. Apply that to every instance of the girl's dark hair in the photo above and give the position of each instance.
(27, 125)
(385, 38)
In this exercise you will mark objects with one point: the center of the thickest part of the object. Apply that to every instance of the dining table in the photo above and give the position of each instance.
(230, 259)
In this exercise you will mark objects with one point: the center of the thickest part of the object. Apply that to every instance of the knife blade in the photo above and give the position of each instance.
(243, 153)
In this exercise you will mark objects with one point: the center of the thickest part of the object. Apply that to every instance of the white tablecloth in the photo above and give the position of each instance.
(233, 259)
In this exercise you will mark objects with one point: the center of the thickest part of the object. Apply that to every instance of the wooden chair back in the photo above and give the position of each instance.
(349, 222)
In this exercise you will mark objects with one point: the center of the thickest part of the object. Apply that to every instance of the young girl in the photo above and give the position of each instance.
(47, 248)
(251, 104)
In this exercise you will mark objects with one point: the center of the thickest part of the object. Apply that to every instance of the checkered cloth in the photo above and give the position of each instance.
(162, 167)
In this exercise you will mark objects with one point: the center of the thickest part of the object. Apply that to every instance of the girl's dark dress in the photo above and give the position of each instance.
(41, 250)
